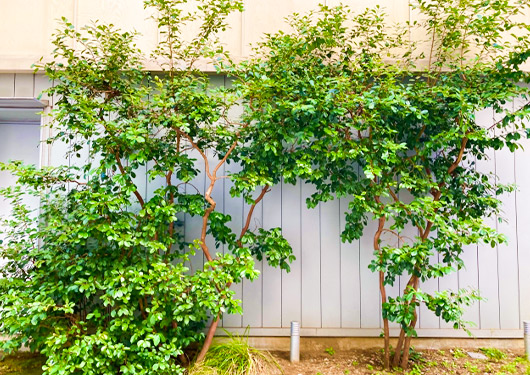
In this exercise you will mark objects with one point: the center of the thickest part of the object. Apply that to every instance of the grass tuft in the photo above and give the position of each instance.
(236, 357)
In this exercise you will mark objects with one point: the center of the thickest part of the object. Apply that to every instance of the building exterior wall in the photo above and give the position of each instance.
(330, 289)
(30, 23)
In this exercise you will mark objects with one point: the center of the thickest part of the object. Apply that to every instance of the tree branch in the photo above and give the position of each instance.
(122, 170)
(382, 289)
(264, 191)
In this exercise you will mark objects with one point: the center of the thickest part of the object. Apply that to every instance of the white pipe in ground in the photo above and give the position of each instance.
(526, 326)
(295, 341)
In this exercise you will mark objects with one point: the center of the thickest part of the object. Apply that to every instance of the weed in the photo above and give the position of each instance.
(441, 352)
(493, 354)
(520, 360)
(510, 368)
(330, 350)
(471, 367)
(416, 370)
(414, 355)
(458, 353)
(346, 372)
(355, 363)
(370, 367)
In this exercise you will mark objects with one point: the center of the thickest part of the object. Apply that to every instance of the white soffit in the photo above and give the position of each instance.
(20, 111)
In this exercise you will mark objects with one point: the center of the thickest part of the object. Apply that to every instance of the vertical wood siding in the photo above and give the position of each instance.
(330, 288)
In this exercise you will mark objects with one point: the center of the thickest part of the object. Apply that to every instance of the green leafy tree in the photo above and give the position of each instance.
(359, 109)
(99, 278)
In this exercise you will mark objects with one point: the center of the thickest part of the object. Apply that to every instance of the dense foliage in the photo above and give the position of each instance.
(363, 109)
(99, 278)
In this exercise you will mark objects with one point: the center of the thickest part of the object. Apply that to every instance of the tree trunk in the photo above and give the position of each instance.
(382, 289)
(397, 354)
(213, 326)
(386, 329)
(208, 339)
(405, 358)
(406, 347)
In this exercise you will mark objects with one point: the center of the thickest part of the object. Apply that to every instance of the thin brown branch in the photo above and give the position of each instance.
(122, 170)
(171, 228)
(223, 160)
(396, 200)
(76, 182)
(393, 232)
(264, 191)
(196, 147)
(142, 308)
(438, 193)
(502, 119)
(188, 183)
(460, 155)
(393, 195)
(206, 216)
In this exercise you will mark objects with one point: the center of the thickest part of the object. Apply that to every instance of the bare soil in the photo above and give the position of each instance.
(431, 362)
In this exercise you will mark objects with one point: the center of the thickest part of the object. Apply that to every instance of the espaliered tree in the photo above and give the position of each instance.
(99, 278)
(363, 110)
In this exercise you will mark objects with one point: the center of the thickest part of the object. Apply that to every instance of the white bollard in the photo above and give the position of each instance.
(526, 326)
(295, 342)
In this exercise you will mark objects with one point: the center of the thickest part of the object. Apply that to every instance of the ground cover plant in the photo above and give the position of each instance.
(100, 278)
(371, 111)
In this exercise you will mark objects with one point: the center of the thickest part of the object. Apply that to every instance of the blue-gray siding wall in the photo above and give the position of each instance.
(330, 289)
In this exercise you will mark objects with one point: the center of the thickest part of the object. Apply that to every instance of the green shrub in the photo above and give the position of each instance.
(100, 279)
(367, 112)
